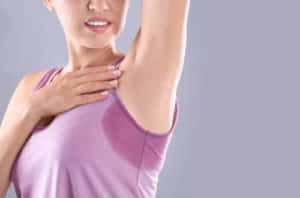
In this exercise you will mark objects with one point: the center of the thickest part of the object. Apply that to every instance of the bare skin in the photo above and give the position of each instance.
(28, 109)
(155, 59)
(151, 69)
(97, 81)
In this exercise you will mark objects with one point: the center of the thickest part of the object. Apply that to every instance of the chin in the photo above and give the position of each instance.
(99, 44)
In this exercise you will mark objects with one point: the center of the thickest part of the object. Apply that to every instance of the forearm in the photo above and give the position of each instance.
(12, 138)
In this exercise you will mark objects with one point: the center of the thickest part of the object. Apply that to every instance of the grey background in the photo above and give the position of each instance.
(238, 130)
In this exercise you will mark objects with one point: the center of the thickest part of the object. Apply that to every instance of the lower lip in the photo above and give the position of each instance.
(98, 28)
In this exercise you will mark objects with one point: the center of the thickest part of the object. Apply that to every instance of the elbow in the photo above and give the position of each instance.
(3, 191)
(2, 194)
(4, 184)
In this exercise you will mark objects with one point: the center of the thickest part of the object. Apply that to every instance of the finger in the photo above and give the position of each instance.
(97, 76)
(83, 99)
(89, 87)
(88, 70)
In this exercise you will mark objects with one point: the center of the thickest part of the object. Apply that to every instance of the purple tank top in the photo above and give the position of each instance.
(95, 150)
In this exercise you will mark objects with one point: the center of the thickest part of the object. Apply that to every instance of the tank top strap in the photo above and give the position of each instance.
(117, 63)
(44, 79)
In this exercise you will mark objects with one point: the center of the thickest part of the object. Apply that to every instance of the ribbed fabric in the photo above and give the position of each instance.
(95, 150)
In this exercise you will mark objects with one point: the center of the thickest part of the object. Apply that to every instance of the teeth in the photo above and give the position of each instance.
(97, 23)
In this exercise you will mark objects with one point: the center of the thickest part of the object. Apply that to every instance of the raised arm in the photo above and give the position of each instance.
(162, 41)
(155, 61)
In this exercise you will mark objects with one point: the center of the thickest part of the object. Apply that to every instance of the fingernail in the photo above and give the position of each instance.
(114, 82)
(117, 72)
(104, 92)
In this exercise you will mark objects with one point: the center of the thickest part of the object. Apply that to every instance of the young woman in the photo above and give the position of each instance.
(62, 137)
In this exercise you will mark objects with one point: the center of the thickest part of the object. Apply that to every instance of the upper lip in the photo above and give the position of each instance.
(97, 18)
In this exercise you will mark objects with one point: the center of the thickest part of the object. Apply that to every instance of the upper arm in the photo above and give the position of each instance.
(163, 36)
(159, 46)
(154, 62)
(156, 56)
(20, 94)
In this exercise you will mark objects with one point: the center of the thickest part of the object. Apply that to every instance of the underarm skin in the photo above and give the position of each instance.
(163, 25)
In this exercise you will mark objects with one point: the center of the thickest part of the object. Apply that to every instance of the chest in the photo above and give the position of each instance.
(86, 133)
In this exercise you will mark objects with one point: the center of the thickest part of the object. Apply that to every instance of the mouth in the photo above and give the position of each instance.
(98, 26)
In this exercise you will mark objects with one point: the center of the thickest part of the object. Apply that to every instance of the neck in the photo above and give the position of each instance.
(81, 57)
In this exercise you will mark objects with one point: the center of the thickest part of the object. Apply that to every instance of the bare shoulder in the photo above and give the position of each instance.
(22, 91)
(28, 81)
(33, 78)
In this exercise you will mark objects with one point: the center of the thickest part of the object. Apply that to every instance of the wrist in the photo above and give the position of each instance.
(24, 118)
(33, 111)
(30, 115)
